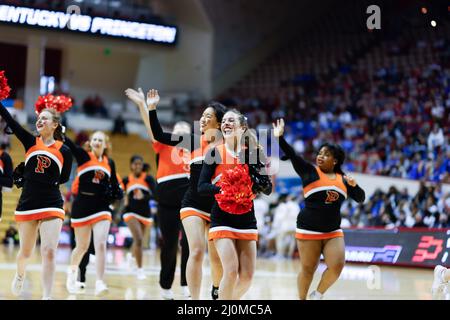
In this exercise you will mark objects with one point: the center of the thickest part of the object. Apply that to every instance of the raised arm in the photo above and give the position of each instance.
(168, 138)
(205, 187)
(25, 137)
(78, 152)
(139, 99)
(300, 165)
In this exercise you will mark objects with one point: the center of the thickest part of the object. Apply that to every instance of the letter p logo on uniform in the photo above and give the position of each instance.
(374, 20)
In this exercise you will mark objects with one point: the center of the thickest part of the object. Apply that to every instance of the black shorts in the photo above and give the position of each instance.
(194, 204)
(39, 201)
(139, 210)
(88, 210)
(232, 226)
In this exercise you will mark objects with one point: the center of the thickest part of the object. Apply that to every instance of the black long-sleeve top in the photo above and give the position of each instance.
(189, 141)
(6, 170)
(94, 179)
(323, 196)
(42, 163)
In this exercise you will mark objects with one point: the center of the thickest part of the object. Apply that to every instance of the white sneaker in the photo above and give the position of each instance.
(438, 281)
(140, 294)
(81, 287)
(186, 292)
(129, 295)
(71, 282)
(167, 294)
(140, 274)
(131, 261)
(17, 285)
(315, 295)
(47, 298)
(100, 288)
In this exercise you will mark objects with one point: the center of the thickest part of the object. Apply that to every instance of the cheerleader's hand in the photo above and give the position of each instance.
(137, 97)
(152, 99)
(350, 180)
(278, 128)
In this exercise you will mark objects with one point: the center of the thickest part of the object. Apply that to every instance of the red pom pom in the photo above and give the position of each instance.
(236, 195)
(4, 88)
(59, 103)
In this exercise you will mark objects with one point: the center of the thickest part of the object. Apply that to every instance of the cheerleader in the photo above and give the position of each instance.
(91, 212)
(139, 189)
(172, 182)
(47, 164)
(234, 235)
(318, 224)
(6, 170)
(195, 209)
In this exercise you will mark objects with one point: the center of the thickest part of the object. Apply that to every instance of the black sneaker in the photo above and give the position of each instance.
(215, 293)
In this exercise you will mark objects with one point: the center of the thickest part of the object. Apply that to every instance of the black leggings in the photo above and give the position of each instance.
(170, 226)
(85, 261)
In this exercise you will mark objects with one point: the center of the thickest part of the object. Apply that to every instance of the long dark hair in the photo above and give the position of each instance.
(250, 140)
(253, 151)
(338, 153)
(219, 110)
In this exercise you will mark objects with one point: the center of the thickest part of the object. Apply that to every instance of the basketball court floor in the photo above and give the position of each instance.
(274, 280)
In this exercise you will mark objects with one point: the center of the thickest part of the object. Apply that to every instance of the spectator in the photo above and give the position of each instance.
(283, 227)
(11, 235)
(119, 126)
(419, 221)
(435, 138)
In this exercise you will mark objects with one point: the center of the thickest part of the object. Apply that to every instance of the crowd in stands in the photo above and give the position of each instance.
(394, 122)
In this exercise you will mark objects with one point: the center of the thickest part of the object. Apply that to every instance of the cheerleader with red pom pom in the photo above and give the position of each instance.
(231, 173)
(47, 164)
(6, 165)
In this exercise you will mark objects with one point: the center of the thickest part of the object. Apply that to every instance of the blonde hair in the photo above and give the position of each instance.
(108, 145)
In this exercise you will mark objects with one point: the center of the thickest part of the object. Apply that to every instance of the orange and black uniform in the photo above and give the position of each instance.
(195, 204)
(139, 208)
(321, 217)
(94, 178)
(6, 180)
(224, 224)
(46, 167)
(172, 182)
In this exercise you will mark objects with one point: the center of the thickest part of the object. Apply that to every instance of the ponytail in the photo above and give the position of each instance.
(59, 133)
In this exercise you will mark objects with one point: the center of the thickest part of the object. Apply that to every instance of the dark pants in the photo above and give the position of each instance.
(85, 261)
(170, 226)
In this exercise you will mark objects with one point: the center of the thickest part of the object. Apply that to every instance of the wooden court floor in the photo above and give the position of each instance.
(274, 280)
